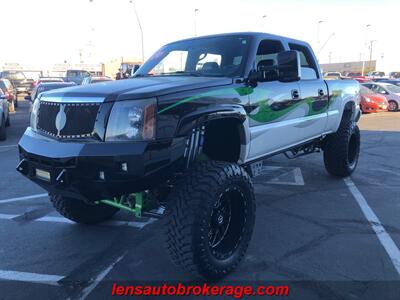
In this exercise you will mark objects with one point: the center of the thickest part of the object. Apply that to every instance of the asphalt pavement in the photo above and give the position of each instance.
(329, 238)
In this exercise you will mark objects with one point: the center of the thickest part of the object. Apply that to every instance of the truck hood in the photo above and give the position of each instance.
(136, 88)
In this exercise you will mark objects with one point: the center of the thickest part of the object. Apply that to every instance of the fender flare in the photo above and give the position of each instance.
(193, 125)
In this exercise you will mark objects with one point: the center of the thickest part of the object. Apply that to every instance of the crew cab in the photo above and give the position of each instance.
(186, 135)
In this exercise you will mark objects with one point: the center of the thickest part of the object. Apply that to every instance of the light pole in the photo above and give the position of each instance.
(318, 29)
(365, 44)
(264, 18)
(326, 42)
(371, 43)
(140, 27)
(196, 10)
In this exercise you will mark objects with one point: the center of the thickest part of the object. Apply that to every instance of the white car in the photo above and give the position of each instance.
(390, 91)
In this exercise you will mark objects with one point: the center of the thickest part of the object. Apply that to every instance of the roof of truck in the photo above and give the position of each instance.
(248, 33)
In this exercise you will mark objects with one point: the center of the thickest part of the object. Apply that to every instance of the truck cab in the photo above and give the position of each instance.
(76, 76)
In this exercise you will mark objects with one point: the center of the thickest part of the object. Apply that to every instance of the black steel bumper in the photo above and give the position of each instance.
(96, 170)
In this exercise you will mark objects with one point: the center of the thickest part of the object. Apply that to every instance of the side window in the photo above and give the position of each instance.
(308, 65)
(267, 52)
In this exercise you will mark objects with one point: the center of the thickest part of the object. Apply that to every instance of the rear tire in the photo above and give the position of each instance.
(393, 106)
(3, 132)
(81, 212)
(342, 149)
(210, 219)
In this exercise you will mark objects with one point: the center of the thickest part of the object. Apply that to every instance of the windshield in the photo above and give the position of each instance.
(365, 90)
(214, 56)
(393, 88)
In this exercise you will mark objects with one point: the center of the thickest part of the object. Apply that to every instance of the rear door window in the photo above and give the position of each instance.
(306, 59)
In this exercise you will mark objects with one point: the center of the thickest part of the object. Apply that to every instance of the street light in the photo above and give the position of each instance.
(370, 53)
(318, 29)
(326, 42)
(140, 27)
(195, 21)
(264, 18)
(365, 44)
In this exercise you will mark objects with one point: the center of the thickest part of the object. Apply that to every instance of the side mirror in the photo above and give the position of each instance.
(289, 66)
(28, 98)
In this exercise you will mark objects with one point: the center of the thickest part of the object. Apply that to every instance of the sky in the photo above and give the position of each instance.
(46, 32)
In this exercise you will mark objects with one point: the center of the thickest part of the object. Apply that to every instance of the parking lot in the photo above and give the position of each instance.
(330, 238)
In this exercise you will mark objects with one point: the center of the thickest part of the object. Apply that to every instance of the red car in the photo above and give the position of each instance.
(372, 102)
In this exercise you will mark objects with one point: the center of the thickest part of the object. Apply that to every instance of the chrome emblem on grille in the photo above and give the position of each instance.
(61, 119)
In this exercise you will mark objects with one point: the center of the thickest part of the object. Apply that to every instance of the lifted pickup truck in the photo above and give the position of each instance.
(187, 133)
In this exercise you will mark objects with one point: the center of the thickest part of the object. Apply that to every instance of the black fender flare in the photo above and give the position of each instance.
(196, 121)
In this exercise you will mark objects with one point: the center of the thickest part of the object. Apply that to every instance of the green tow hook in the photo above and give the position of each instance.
(120, 203)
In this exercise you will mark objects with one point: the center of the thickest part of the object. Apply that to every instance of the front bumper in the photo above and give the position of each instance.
(367, 107)
(94, 170)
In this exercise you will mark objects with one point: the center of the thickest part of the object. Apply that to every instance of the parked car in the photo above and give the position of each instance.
(8, 89)
(394, 75)
(4, 116)
(47, 86)
(95, 79)
(20, 82)
(391, 81)
(376, 74)
(390, 91)
(189, 134)
(371, 101)
(47, 79)
(332, 75)
(76, 76)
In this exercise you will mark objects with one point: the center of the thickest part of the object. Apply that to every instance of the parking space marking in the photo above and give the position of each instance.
(95, 281)
(30, 277)
(384, 238)
(139, 225)
(23, 198)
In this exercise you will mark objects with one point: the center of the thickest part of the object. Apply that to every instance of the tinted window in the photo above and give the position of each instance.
(306, 58)
(213, 56)
(267, 52)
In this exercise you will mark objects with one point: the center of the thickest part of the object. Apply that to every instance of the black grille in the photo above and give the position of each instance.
(79, 119)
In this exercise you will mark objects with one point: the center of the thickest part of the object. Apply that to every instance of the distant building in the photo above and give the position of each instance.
(352, 66)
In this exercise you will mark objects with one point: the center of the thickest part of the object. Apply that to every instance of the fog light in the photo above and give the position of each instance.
(101, 175)
(124, 167)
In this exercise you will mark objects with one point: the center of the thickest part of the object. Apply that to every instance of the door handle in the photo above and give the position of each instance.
(295, 94)
(321, 92)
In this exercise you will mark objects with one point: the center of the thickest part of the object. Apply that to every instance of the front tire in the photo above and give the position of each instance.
(210, 219)
(81, 212)
(393, 106)
(342, 149)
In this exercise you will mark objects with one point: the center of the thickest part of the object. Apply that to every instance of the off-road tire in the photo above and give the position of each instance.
(3, 132)
(190, 215)
(342, 148)
(81, 212)
(395, 105)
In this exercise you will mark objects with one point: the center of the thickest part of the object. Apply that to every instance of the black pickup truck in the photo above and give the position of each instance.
(187, 133)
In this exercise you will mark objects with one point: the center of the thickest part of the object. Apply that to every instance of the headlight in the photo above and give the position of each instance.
(367, 99)
(132, 120)
(34, 114)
